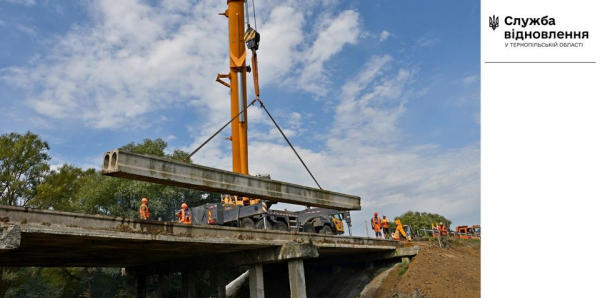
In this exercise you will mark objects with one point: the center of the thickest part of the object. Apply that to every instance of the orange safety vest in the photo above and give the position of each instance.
(144, 212)
(385, 223)
(184, 216)
(376, 223)
(443, 230)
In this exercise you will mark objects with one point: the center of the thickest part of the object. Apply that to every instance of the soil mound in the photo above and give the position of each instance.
(438, 273)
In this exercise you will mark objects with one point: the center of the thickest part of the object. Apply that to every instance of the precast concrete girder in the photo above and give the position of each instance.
(123, 164)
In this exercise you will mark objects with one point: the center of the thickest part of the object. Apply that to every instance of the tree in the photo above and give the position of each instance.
(420, 220)
(121, 197)
(23, 165)
(156, 147)
(61, 189)
(73, 189)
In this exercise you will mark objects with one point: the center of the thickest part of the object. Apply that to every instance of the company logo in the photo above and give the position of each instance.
(494, 22)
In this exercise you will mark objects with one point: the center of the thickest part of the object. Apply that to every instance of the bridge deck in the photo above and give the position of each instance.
(52, 238)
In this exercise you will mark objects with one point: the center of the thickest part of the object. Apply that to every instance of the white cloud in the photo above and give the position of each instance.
(427, 41)
(469, 80)
(27, 30)
(365, 156)
(336, 33)
(384, 35)
(280, 38)
(21, 2)
(136, 60)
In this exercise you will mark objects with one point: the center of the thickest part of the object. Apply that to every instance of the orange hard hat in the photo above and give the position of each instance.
(184, 205)
(375, 213)
(144, 200)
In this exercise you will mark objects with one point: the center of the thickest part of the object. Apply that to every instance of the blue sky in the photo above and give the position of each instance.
(381, 98)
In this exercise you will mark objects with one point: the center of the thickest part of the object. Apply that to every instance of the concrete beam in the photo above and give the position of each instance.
(287, 251)
(134, 166)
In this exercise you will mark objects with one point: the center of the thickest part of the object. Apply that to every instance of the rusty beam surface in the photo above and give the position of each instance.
(36, 237)
(142, 167)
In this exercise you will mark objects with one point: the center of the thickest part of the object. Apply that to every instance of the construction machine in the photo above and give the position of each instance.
(477, 230)
(324, 221)
(402, 232)
(243, 211)
(466, 232)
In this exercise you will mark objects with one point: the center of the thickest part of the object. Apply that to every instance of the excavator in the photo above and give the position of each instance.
(244, 211)
(403, 232)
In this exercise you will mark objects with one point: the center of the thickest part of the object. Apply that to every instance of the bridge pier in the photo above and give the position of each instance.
(297, 280)
(163, 285)
(257, 285)
(141, 286)
(217, 283)
(188, 282)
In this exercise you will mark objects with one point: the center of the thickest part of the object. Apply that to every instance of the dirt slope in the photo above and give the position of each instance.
(438, 273)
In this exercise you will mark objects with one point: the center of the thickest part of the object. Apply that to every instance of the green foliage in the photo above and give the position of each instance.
(27, 179)
(61, 189)
(420, 220)
(23, 165)
(72, 282)
(402, 269)
(156, 147)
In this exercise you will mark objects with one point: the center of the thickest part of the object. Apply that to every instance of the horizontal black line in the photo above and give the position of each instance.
(540, 62)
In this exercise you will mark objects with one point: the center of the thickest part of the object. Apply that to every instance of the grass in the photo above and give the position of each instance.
(402, 269)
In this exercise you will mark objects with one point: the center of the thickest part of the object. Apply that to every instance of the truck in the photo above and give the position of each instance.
(324, 221)
(466, 232)
(259, 215)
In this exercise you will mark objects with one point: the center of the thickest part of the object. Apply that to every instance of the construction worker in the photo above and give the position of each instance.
(385, 224)
(434, 228)
(443, 235)
(144, 210)
(398, 232)
(184, 214)
(376, 225)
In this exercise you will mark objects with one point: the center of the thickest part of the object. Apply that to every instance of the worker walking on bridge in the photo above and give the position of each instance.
(376, 225)
(144, 210)
(184, 214)
(385, 224)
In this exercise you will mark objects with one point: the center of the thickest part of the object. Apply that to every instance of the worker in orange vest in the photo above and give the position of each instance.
(376, 225)
(385, 224)
(144, 210)
(443, 235)
(184, 214)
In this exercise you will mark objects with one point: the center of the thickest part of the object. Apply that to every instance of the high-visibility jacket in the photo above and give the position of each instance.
(184, 216)
(443, 230)
(144, 211)
(376, 223)
(385, 223)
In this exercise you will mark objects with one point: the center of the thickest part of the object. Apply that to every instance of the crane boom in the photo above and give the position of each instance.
(237, 76)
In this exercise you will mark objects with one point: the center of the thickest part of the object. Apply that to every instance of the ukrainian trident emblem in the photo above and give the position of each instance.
(494, 22)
